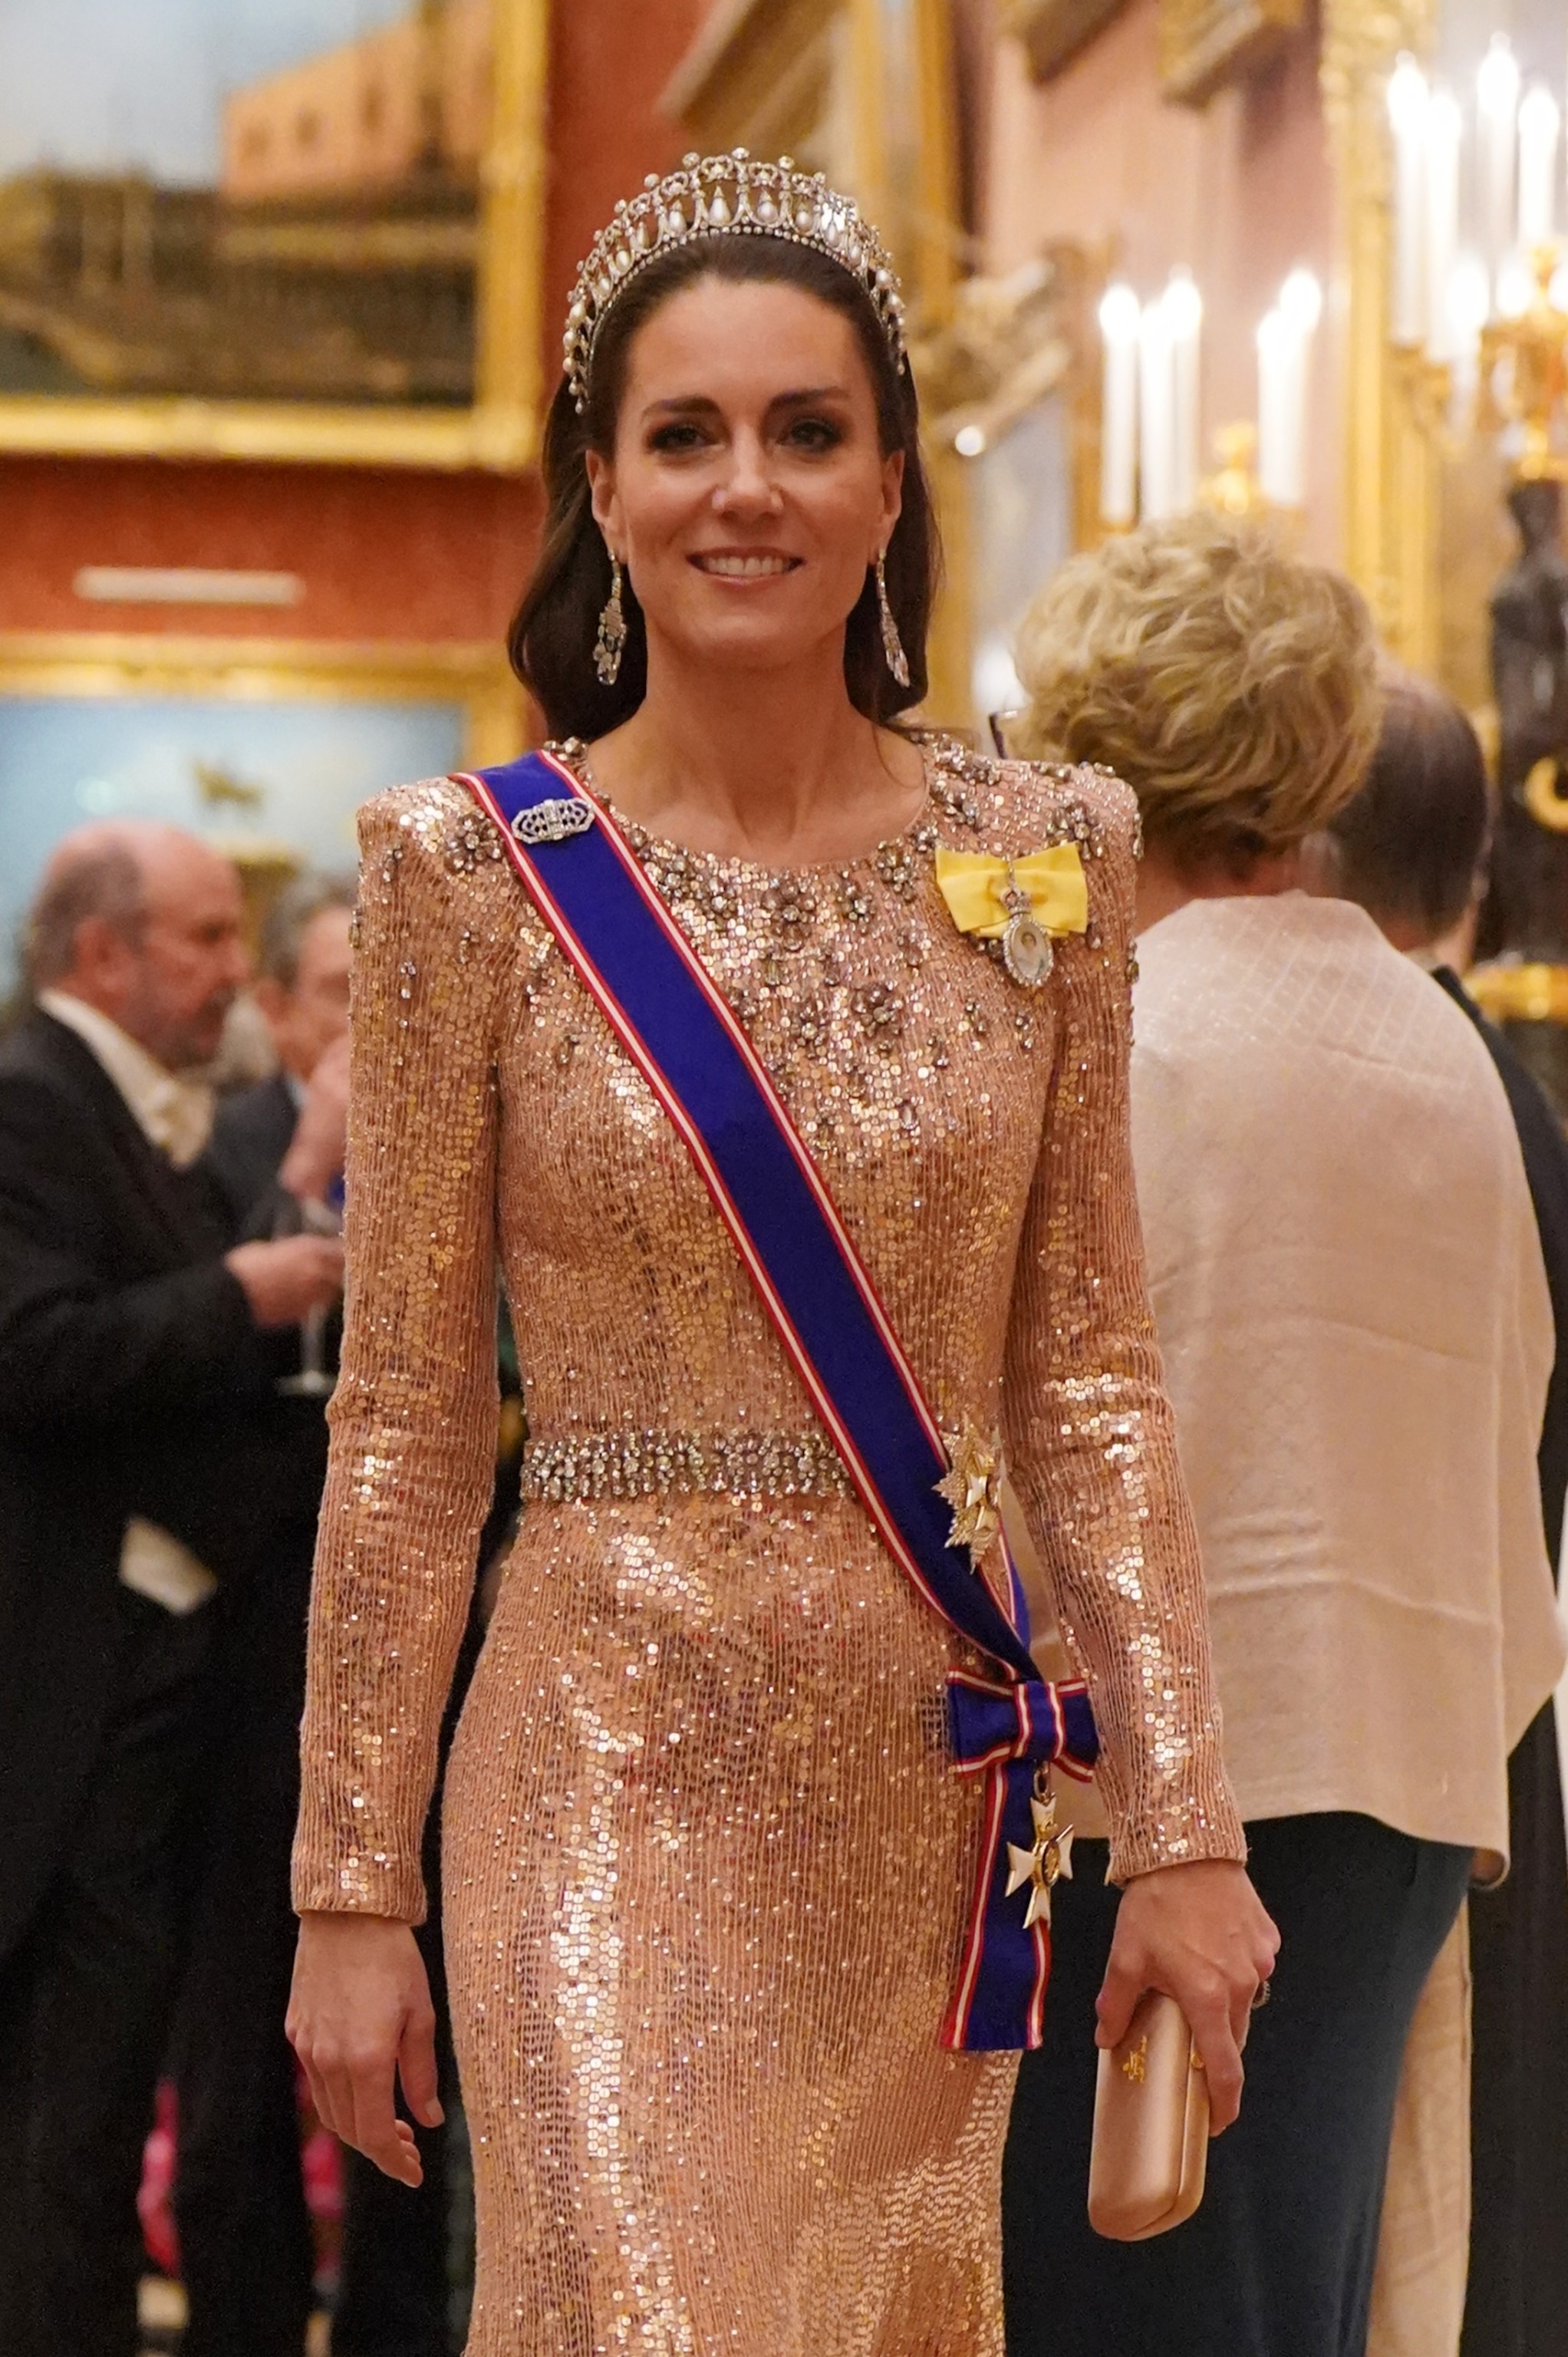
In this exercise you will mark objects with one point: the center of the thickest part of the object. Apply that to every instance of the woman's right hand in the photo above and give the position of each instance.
(359, 2018)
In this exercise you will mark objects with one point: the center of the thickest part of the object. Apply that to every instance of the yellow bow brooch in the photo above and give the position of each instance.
(1018, 904)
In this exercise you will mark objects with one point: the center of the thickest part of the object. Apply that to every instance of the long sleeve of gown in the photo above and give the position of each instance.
(1089, 1429)
(414, 1418)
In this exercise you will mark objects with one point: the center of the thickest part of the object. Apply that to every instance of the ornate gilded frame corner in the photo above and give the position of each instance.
(498, 431)
(1204, 43)
(1390, 458)
(270, 671)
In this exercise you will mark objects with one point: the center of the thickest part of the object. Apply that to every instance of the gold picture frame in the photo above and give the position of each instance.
(475, 676)
(498, 430)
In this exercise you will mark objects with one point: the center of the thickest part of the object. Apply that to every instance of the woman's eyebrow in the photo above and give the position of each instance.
(700, 405)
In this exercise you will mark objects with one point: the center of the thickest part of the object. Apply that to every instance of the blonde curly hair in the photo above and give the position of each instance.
(1232, 685)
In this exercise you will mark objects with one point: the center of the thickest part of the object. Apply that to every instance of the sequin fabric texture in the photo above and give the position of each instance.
(707, 1863)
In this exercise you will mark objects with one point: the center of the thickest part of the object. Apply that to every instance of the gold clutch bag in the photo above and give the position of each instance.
(1150, 2154)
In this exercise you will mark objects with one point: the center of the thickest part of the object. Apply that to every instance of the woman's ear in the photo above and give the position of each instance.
(602, 494)
(892, 495)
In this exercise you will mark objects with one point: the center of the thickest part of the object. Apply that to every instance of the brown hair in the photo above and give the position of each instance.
(1412, 844)
(100, 880)
(551, 638)
(1232, 685)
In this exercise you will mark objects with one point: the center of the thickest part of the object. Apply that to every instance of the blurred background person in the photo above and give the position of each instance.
(1358, 1337)
(302, 991)
(143, 1455)
(1411, 850)
(247, 2254)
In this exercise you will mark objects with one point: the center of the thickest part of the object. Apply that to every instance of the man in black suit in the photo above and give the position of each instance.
(146, 1462)
(1411, 850)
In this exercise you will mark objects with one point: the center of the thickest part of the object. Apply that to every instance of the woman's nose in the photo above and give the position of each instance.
(749, 488)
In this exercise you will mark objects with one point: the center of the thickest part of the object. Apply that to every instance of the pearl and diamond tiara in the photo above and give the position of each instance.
(725, 196)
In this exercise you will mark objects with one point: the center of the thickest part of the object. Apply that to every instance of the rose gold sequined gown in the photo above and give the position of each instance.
(706, 1863)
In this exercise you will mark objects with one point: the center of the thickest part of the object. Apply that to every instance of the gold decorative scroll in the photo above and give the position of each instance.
(1206, 43)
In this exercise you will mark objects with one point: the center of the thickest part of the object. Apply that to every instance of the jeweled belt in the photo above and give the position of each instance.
(625, 1463)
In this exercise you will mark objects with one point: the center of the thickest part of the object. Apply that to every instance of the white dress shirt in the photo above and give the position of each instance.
(173, 1113)
(1347, 1281)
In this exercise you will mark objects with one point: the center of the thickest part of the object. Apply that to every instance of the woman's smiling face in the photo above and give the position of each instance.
(748, 490)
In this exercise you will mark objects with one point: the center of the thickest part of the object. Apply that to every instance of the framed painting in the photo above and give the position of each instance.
(265, 749)
(272, 229)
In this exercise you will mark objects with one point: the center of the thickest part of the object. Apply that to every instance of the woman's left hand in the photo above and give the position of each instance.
(1200, 1933)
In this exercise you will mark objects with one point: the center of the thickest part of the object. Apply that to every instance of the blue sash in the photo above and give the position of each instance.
(665, 1009)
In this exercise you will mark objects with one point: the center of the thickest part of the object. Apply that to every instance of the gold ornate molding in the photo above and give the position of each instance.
(758, 74)
(1390, 461)
(1205, 43)
(266, 671)
(499, 430)
(1052, 32)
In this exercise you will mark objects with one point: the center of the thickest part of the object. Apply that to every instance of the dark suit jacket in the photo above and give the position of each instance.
(251, 1136)
(1519, 1935)
(133, 1381)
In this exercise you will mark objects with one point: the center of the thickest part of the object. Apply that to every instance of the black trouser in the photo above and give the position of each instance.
(1517, 2305)
(392, 2297)
(84, 2010)
(246, 2252)
(1279, 2260)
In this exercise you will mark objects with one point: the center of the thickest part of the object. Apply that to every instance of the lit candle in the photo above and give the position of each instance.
(1408, 108)
(1468, 303)
(1183, 308)
(1284, 353)
(1497, 94)
(1119, 313)
(1538, 123)
(1274, 421)
(1156, 416)
(1445, 129)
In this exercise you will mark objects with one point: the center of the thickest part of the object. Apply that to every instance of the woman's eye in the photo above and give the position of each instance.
(673, 439)
(814, 434)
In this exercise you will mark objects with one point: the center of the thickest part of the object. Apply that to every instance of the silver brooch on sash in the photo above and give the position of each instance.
(552, 822)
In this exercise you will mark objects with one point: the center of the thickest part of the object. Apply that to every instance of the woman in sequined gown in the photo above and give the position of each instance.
(707, 1860)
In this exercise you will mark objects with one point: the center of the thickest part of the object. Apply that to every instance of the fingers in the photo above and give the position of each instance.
(1214, 2036)
(1124, 1984)
(377, 2131)
(416, 2069)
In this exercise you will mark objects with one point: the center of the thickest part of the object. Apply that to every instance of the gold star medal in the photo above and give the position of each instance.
(1049, 1862)
(972, 1487)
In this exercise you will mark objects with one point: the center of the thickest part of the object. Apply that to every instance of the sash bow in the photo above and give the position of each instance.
(973, 884)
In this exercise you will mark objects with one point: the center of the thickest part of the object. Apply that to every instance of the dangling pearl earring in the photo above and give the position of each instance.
(610, 643)
(892, 645)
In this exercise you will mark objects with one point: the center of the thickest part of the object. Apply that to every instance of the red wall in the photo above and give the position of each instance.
(383, 554)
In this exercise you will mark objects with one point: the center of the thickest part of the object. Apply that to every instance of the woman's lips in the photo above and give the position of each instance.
(731, 564)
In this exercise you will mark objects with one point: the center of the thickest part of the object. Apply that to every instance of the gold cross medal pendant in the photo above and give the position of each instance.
(1039, 1869)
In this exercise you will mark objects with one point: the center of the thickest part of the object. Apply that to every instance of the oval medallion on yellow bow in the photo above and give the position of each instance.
(1019, 903)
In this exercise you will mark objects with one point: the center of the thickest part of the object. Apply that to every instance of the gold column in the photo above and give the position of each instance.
(1390, 461)
(508, 386)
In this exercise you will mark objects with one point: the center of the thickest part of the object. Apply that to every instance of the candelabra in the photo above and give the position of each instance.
(1478, 320)
(1151, 433)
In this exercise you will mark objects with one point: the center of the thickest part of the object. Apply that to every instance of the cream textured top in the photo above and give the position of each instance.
(1348, 1288)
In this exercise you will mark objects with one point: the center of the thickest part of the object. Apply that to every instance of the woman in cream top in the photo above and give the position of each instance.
(1350, 1301)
